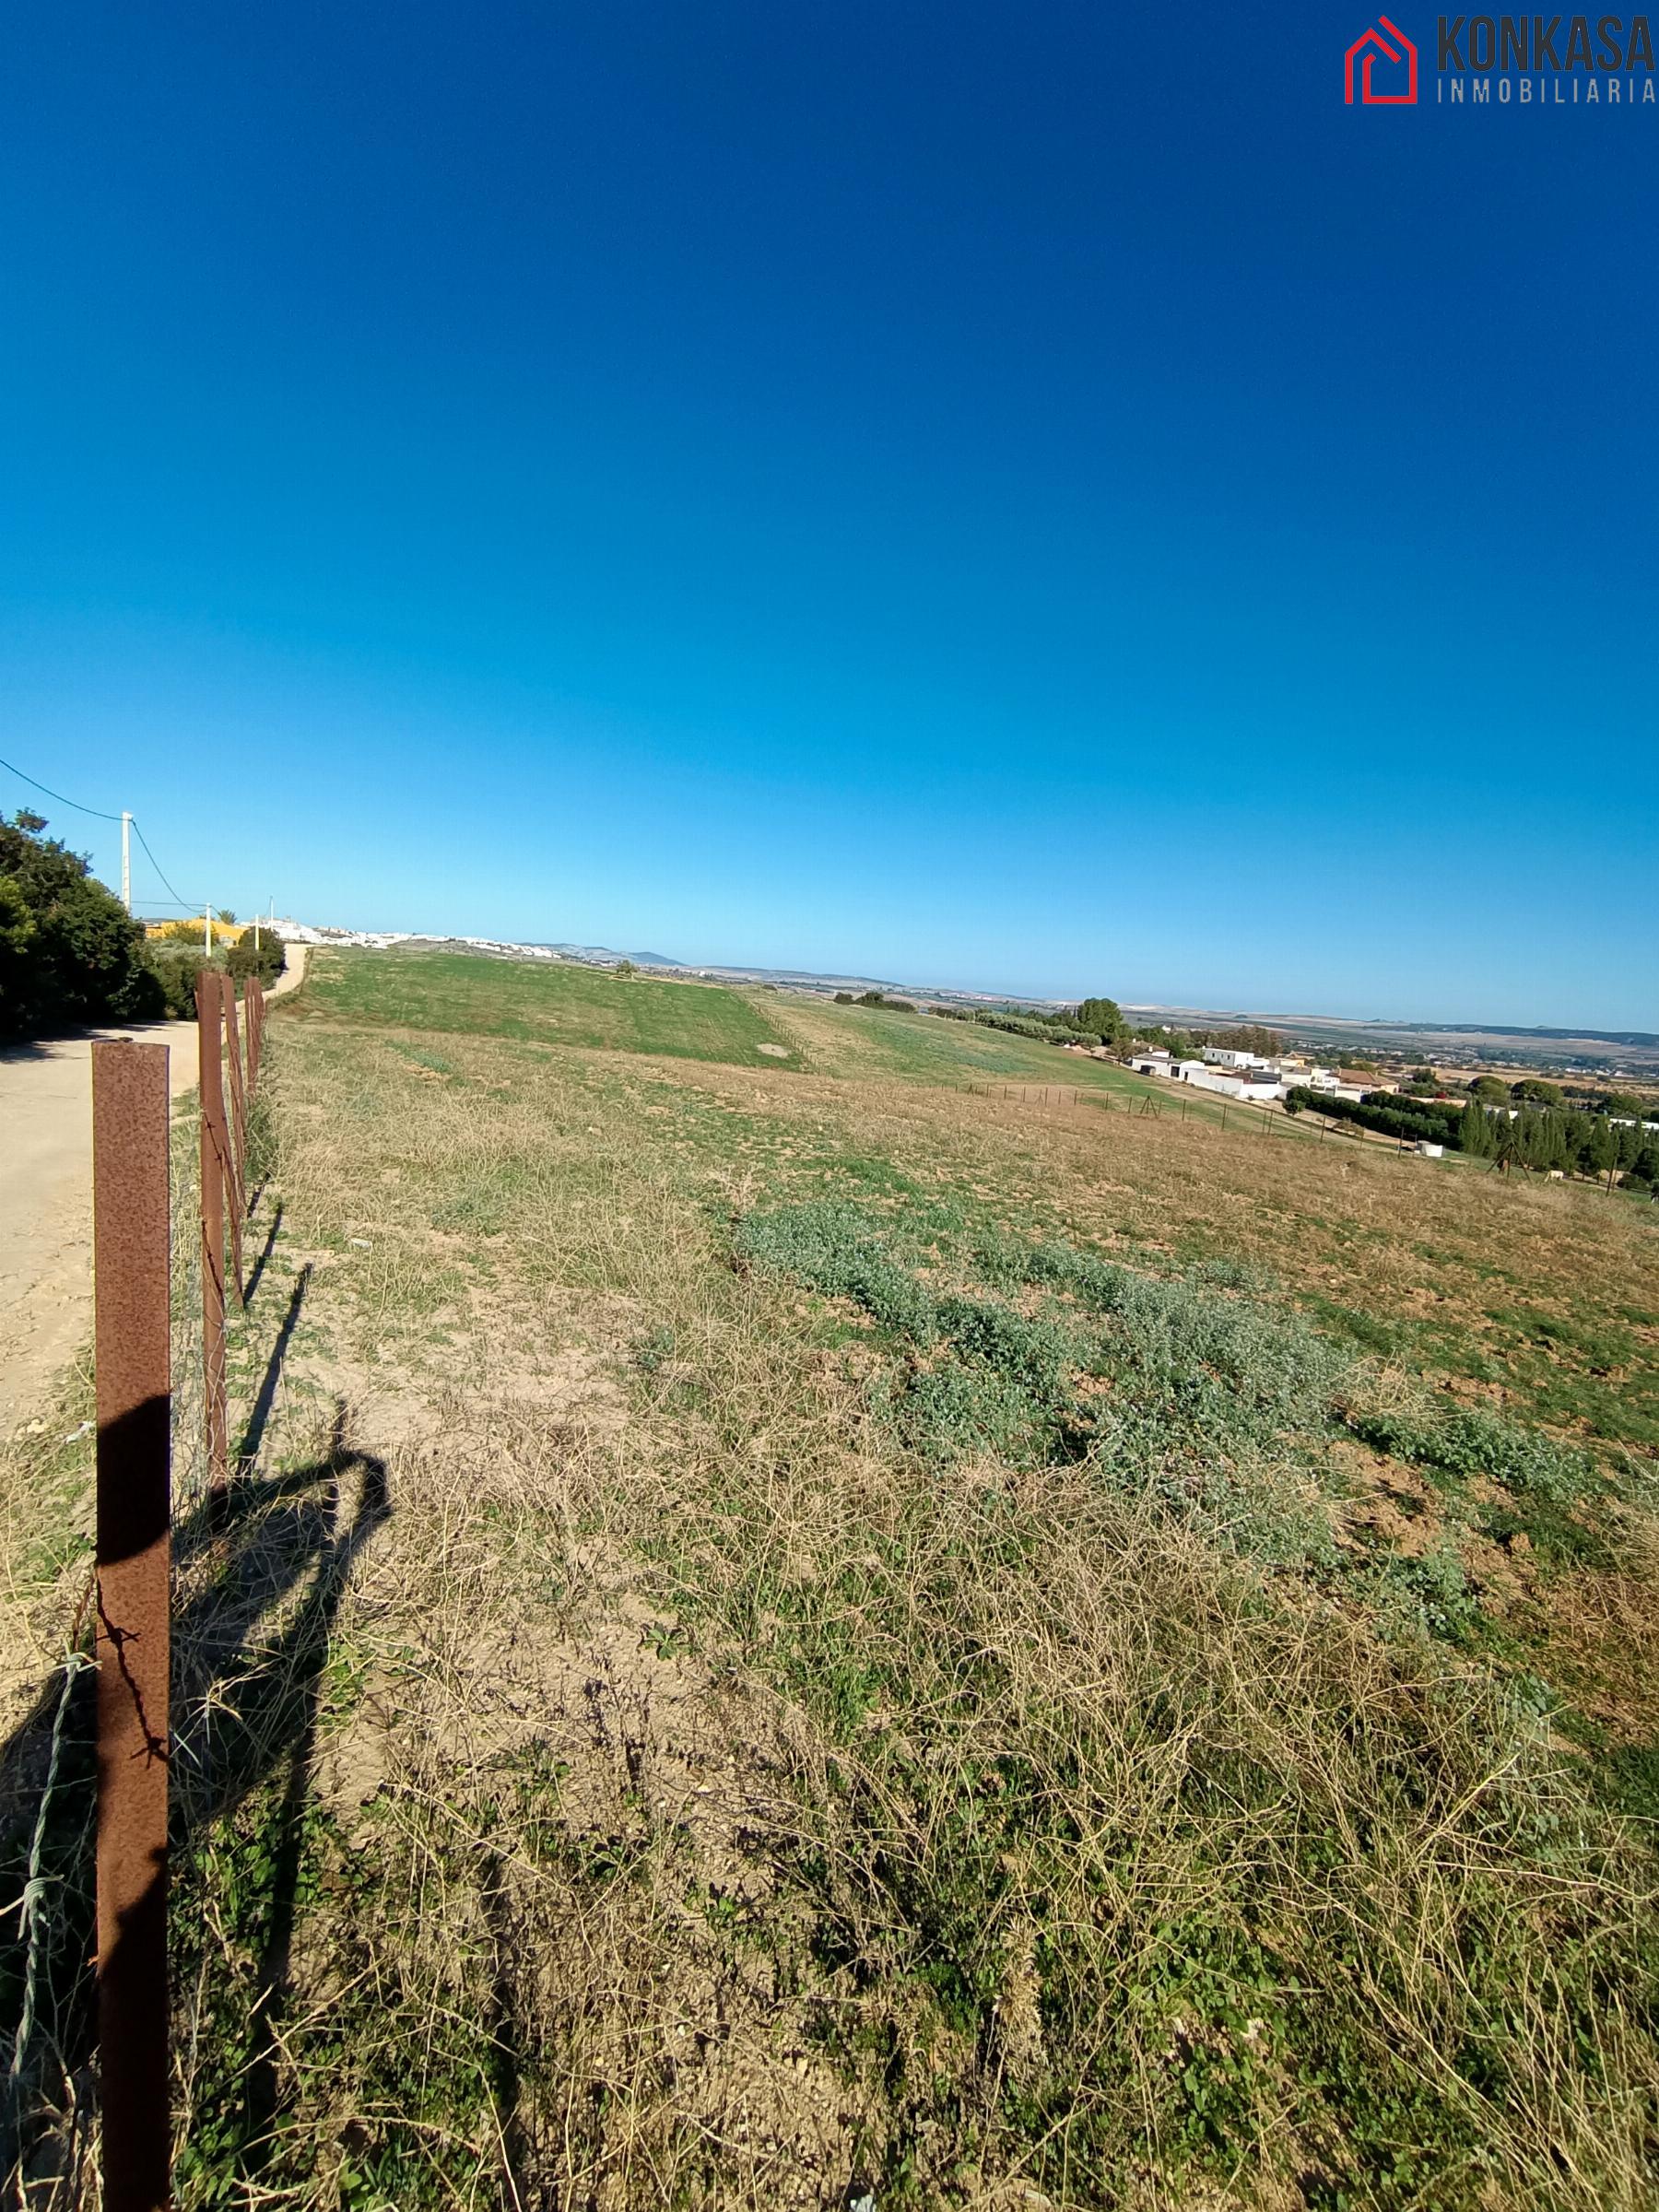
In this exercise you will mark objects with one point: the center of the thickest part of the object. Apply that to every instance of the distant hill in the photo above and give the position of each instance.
(1494, 1029)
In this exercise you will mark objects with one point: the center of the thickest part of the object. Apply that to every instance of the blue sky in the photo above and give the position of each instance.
(1053, 505)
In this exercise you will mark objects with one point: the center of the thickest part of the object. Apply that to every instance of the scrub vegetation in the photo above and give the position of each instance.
(796, 1631)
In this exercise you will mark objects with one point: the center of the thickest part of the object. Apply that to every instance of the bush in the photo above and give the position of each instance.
(267, 960)
(175, 962)
(1413, 1119)
(1043, 1029)
(69, 951)
(1046, 1029)
(175, 966)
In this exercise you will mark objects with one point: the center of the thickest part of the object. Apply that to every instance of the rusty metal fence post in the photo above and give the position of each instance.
(215, 1179)
(213, 1102)
(238, 1109)
(131, 1319)
(255, 1010)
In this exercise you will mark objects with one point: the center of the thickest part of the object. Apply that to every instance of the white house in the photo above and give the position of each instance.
(1329, 1084)
(1152, 1064)
(1231, 1082)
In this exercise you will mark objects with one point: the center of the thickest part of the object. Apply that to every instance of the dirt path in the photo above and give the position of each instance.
(46, 1195)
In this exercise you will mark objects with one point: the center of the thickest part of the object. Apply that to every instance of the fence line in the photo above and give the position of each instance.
(216, 1179)
(224, 1195)
(239, 1104)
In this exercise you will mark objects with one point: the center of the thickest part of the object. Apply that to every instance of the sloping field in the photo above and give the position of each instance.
(457, 992)
(874, 1041)
(792, 1635)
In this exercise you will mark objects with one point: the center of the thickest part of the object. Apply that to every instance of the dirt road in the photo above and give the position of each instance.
(46, 1196)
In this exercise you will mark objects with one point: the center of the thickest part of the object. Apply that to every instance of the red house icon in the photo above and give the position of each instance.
(1370, 46)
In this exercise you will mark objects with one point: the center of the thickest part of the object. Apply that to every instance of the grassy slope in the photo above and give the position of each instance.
(871, 1043)
(457, 992)
(921, 1048)
(1503, 1288)
(957, 1687)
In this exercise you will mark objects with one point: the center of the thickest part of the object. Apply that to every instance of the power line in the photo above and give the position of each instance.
(96, 811)
(98, 814)
(190, 903)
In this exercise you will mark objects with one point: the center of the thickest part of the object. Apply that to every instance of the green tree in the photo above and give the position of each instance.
(1250, 1037)
(17, 930)
(1541, 1141)
(1105, 1017)
(1476, 1131)
(69, 951)
(1492, 1090)
(1181, 1044)
(1598, 1149)
(1531, 1091)
(1628, 1141)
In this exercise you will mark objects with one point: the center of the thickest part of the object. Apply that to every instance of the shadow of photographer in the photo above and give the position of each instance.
(259, 1573)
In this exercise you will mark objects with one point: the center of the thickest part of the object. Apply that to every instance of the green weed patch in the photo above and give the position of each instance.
(1469, 1441)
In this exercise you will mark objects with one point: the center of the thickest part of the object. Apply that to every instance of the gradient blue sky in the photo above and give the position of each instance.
(1049, 500)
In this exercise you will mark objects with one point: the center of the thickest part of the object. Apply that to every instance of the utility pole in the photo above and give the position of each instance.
(207, 931)
(126, 860)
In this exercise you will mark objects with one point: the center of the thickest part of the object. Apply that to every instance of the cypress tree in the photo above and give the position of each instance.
(1599, 1150)
(1476, 1135)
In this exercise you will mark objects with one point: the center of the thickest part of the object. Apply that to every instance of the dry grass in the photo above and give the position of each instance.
(620, 1770)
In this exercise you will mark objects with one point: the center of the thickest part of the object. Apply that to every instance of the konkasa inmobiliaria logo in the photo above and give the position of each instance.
(1555, 60)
